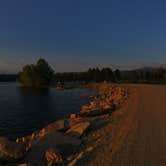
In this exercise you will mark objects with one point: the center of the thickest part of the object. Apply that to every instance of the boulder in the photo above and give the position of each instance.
(79, 129)
(91, 113)
(57, 125)
(65, 145)
(74, 159)
(74, 121)
(31, 140)
(53, 157)
(11, 151)
(73, 116)
(89, 149)
(78, 157)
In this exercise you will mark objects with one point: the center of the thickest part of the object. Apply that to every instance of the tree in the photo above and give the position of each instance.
(36, 75)
(117, 75)
(108, 75)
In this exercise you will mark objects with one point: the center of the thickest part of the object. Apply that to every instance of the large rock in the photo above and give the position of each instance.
(74, 161)
(90, 112)
(57, 125)
(66, 145)
(98, 112)
(11, 151)
(78, 129)
(31, 140)
(52, 127)
(53, 157)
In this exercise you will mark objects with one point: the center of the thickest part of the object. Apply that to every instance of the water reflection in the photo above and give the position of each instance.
(27, 91)
(24, 110)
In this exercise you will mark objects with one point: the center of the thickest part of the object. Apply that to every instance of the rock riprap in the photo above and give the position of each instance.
(78, 130)
(59, 142)
(11, 151)
(62, 142)
(53, 157)
(107, 98)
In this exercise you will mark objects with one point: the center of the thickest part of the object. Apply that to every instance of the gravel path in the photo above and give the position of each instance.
(136, 135)
(146, 143)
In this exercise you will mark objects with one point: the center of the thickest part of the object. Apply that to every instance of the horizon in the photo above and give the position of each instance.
(76, 35)
(162, 66)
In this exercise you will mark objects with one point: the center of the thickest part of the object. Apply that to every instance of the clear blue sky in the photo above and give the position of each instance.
(76, 34)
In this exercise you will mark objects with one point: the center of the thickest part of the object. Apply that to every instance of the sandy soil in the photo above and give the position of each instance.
(136, 134)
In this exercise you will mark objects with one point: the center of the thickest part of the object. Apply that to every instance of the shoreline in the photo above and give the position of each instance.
(71, 131)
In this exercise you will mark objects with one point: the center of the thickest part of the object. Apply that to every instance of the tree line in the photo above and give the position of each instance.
(145, 75)
(41, 74)
(92, 75)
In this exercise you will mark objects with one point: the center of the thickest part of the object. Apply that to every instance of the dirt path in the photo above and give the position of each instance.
(137, 134)
(146, 143)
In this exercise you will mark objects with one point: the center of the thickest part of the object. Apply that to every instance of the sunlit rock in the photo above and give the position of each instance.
(65, 145)
(53, 157)
(73, 116)
(78, 129)
(11, 151)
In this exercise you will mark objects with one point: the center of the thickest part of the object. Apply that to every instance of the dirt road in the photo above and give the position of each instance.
(145, 144)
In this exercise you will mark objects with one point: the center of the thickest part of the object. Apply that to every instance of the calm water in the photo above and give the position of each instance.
(24, 110)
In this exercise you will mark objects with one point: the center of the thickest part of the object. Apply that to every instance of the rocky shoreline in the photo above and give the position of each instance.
(64, 142)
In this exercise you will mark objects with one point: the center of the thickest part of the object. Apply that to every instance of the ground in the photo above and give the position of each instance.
(136, 133)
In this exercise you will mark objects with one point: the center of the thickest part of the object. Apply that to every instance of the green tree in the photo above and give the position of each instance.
(36, 75)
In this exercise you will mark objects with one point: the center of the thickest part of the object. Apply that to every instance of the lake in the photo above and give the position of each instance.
(24, 110)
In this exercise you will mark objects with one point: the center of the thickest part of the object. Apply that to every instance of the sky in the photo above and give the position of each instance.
(73, 35)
